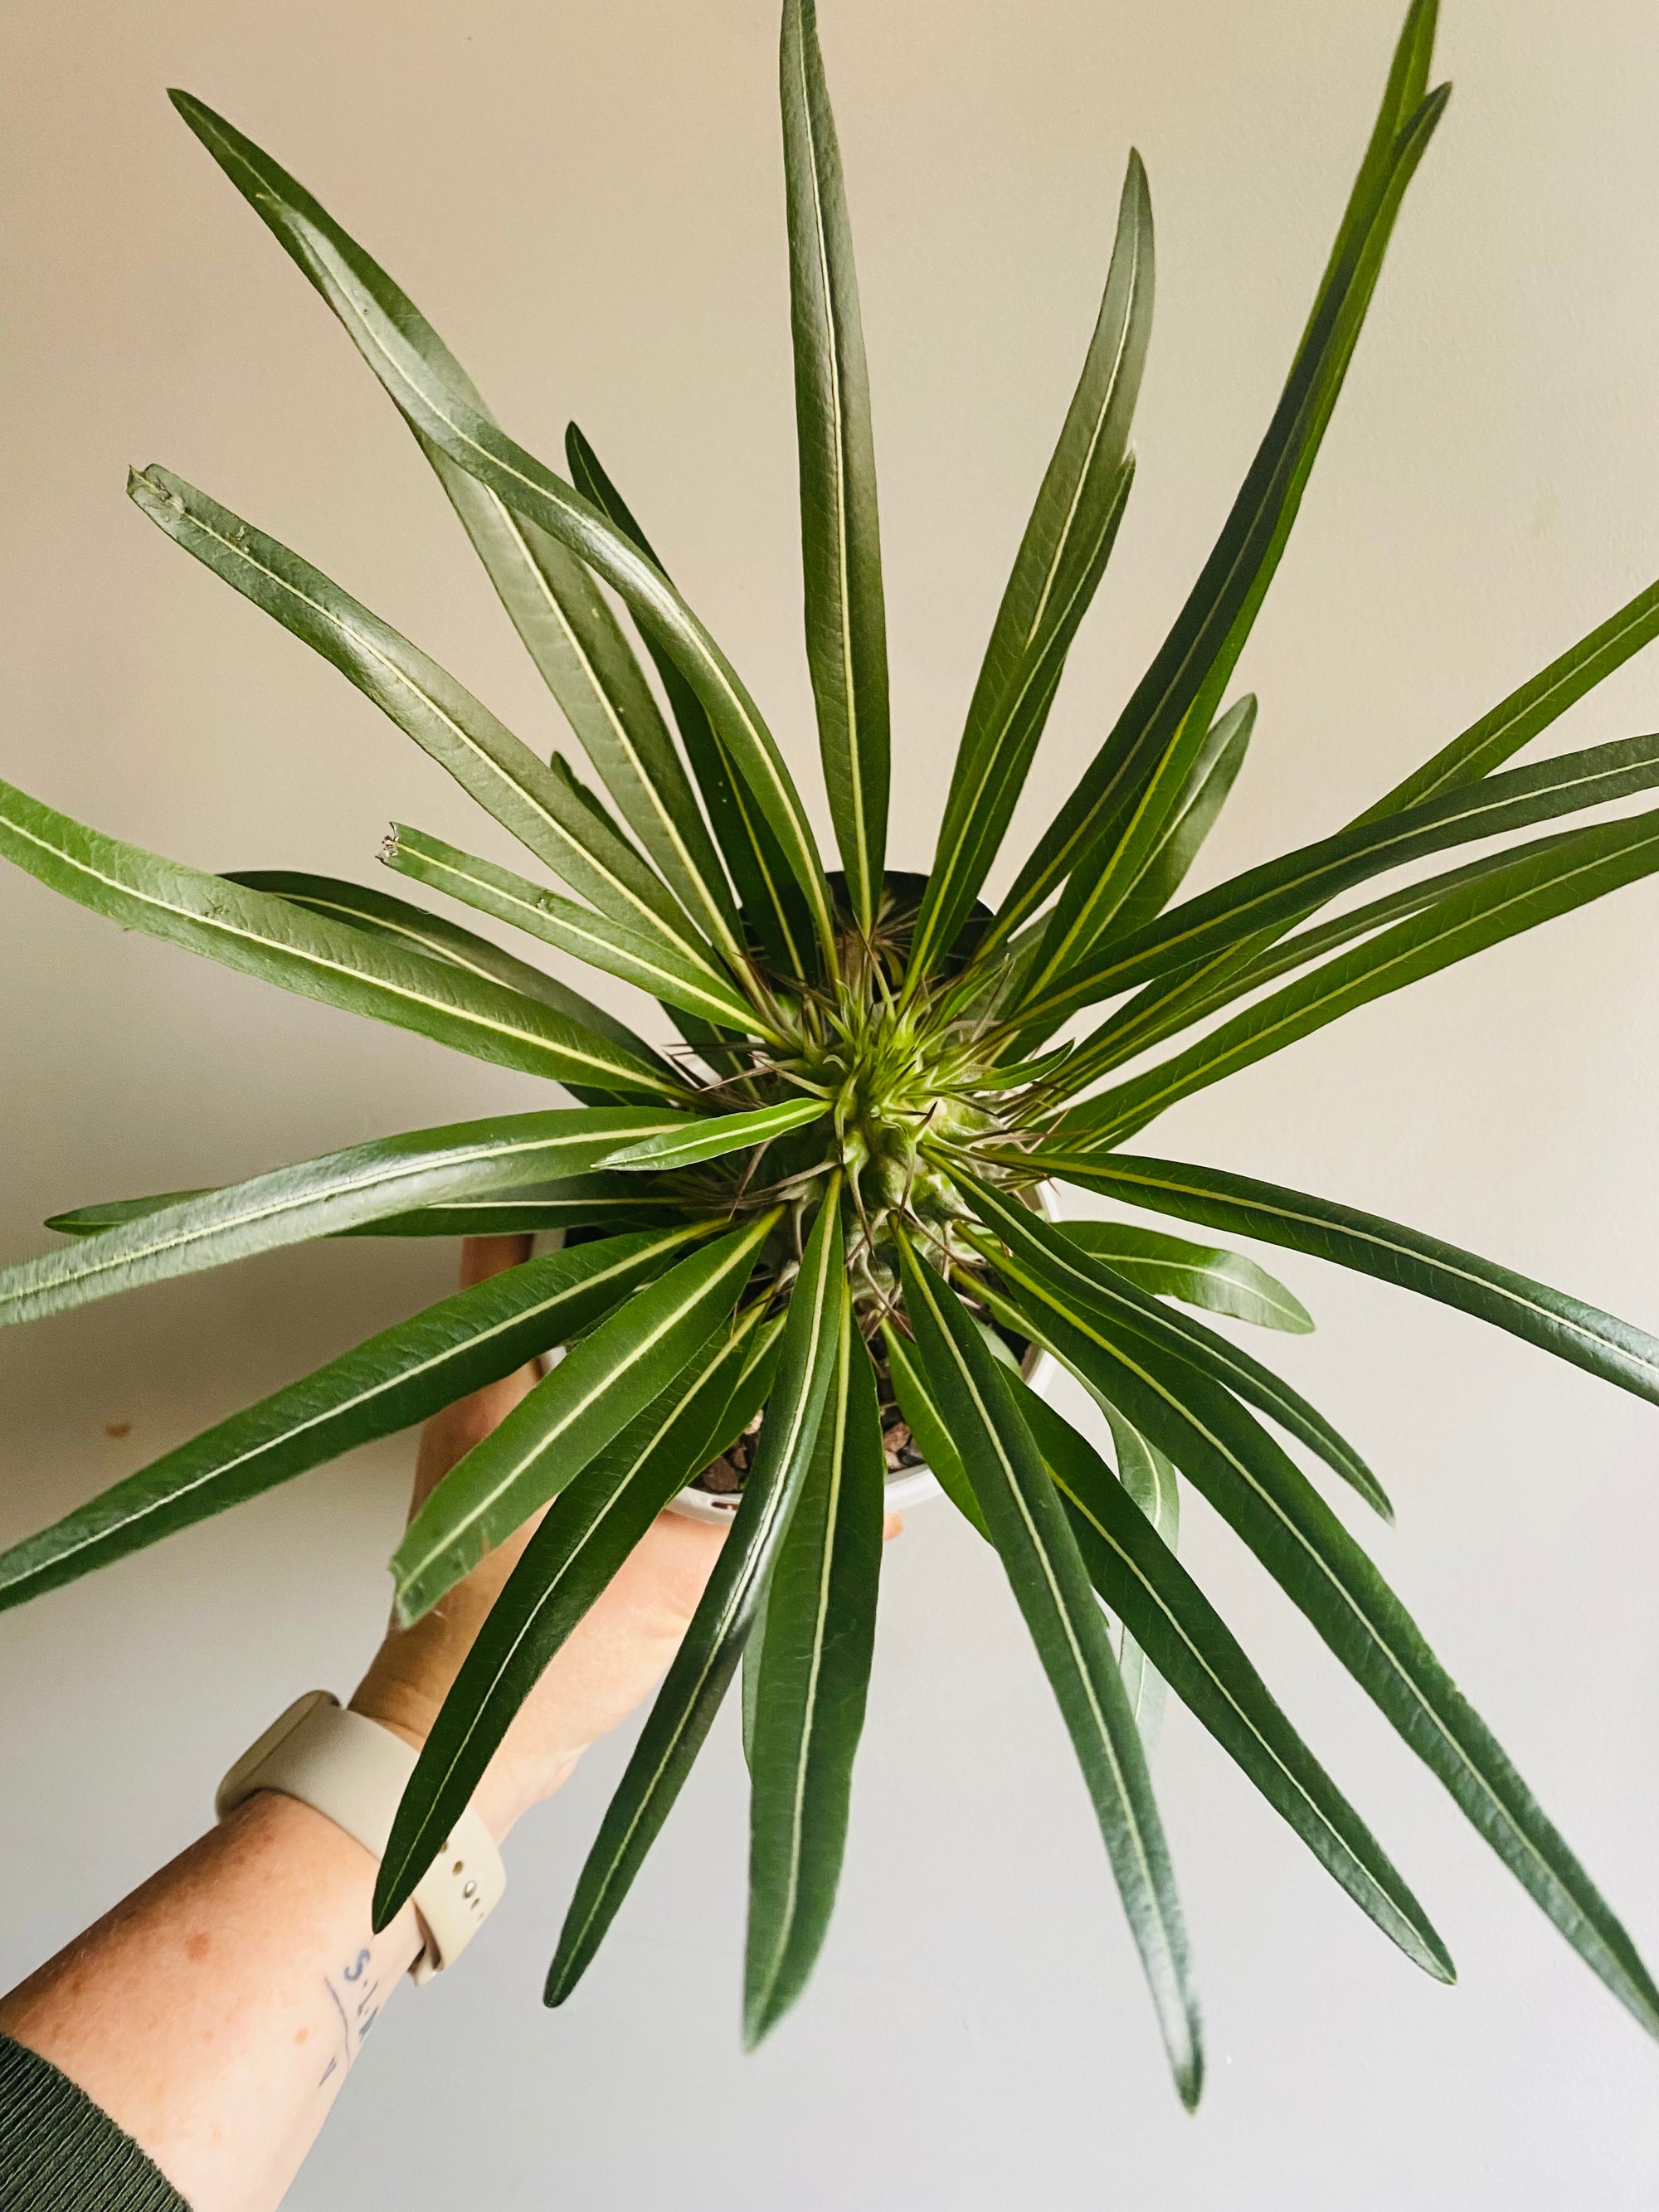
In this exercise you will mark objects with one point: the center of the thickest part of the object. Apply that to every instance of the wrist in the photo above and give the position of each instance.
(510, 1785)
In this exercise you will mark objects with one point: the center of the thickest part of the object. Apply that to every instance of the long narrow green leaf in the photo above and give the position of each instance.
(380, 319)
(398, 1377)
(1085, 479)
(653, 963)
(401, 923)
(583, 1539)
(1151, 1482)
(718, 1134)
(927, 1424)
(1082, 1283)
(1046, 1573)
(281, 944)
(772, 904)
(1191, 667)
(594, 1201)
(809, 1706)
(841, 537)
(458, 731)
(319, 1197)
(1139, 1578)
(547, 1439)
(707, 1658)
(1204, 1275)
(968, 843)
(1186, 995)
(1150, 882)
(1551, 1320)
(1517, 720)
(1284, 889)
(562, 616)
(1533, 889)
(1230, 1458)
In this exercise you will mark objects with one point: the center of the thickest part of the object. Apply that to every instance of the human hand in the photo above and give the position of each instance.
(610, 1661)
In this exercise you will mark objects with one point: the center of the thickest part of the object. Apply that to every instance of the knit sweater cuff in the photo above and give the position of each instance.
(60, 2153)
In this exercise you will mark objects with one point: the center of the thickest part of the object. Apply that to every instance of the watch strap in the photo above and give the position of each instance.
(353, 1771)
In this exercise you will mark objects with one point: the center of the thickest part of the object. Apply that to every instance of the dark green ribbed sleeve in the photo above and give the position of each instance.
(59, 2153)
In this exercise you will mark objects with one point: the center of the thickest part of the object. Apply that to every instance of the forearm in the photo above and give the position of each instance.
(215, 2013)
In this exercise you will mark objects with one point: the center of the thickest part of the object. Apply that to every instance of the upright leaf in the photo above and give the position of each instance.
(809, 1704)
(1527, 712)
(391, 337)
(1532, 889)
(772, 904)
(1193, 664)
(399, 1376)
(1029, 1529)
(281, 944)
(1284, 890)
(1078, 506)
(840, 538)
(707, 1658)
(592, 1394)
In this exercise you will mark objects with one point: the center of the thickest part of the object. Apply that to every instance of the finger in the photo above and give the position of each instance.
(891, 1527)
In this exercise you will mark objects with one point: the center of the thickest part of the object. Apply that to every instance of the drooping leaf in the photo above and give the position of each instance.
(1222, 1450)
(401, 1375)
(927, 1427)
(1153, 1482)
(317, 1197)
(840, 538)
(284, 944)
(1533, 889)
(1046, 1573)
(1084, 483)
(1139, 1578)
(707, 1658)
(1204, 1275)
(809, 1705)
(583, 1539)
(1555, 1323)
(1045, 1259)
(596, 1390)
(652, 963)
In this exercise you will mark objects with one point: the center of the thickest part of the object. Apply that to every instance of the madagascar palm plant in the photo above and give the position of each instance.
(824, 1201)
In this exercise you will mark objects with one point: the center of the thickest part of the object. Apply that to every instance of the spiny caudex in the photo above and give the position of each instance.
(822, 1201)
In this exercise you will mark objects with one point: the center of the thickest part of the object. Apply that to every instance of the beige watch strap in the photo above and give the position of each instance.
(353, 1772)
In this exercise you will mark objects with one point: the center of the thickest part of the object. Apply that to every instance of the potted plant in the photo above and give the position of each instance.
(815, 1204)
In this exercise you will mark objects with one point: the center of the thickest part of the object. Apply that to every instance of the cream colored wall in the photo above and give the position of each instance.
(586, 199)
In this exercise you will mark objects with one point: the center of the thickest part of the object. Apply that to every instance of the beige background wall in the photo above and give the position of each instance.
(586, 199)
